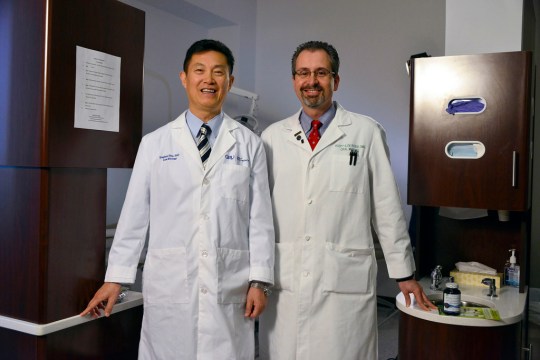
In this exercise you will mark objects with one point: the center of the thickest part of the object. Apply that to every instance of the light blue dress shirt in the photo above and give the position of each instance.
(194, 124)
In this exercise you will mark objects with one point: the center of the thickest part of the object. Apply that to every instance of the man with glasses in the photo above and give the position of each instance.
(331, 182)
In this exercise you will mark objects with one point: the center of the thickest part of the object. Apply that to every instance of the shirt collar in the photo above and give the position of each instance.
(194, 124)
(325, 119)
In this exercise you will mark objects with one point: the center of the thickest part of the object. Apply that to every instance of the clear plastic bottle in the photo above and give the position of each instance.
(452, 299)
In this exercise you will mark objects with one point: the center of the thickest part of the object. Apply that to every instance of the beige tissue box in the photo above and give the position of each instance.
(472, 278)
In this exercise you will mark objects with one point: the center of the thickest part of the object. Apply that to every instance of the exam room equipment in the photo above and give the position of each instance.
(250, 119)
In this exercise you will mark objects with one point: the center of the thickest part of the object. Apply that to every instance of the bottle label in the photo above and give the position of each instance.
(452, 303)
(512, 277)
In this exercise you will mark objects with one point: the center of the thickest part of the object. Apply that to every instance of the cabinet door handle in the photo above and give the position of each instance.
(528, 351)
(514, 168)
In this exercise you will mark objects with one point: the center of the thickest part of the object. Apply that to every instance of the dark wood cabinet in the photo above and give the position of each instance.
(53, 175)
(478, 157)
(499, 133)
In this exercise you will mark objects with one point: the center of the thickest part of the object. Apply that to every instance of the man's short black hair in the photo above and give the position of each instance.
(209, 45)
(317, 45)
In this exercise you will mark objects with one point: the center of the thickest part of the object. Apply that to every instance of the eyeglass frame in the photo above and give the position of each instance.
(314, 72)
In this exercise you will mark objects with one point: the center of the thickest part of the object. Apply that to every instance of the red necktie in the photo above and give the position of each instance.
(314, 135)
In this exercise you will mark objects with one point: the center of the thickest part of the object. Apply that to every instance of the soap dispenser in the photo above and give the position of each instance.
(511, 271)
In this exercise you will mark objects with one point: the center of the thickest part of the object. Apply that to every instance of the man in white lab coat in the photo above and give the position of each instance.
(328, 189)
(211, 248)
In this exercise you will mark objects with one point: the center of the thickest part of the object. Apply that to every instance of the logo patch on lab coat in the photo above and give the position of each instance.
(169, 157)
(237, 159)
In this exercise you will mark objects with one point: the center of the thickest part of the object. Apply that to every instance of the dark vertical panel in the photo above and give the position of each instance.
(76, 241)
(22, 33)
(20, 233)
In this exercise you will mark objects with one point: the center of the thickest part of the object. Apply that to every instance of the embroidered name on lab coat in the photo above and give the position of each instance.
(349, 147)
(169, 157)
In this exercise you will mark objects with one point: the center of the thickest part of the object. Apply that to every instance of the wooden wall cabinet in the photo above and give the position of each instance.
(499, 179)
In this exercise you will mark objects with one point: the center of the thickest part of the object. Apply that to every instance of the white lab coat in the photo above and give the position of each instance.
(324, 306)
(211, 232)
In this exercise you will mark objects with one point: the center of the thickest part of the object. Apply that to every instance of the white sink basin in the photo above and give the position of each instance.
(437, 299)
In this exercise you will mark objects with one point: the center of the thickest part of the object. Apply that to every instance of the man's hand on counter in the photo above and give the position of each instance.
(104, 299)
(412, 286)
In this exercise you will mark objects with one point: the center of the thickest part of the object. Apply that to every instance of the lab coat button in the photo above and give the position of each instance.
(312, 165)
(204, 253)
(306, 273)
(204, 291)
(310, 201)
(206, 182)
(308, 238)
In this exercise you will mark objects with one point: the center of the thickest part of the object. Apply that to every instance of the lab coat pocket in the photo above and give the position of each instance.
(348, 174)
(284, 266)
(233, 275)
(235, 182)
(347, 271)
(165, 276)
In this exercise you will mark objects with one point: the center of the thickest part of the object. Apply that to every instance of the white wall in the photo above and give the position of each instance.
(483, 26)
(373, 38)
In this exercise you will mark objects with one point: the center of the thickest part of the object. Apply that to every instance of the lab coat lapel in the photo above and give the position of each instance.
(335, 131)
(295, 134)
(224, 141)
(182, 136)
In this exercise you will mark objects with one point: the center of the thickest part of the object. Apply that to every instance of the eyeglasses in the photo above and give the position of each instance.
(319, 73)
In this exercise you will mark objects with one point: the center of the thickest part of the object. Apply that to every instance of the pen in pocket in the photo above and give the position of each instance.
(353, 156)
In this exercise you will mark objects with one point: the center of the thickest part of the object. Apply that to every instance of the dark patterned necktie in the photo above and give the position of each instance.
(314, 135)
(203, 144)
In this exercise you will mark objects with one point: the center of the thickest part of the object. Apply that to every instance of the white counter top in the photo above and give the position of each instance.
(510, 304)
(132, 300)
